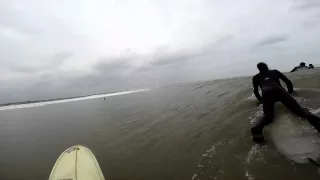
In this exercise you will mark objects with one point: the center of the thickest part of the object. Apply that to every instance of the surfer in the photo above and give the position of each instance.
(272, 91)
(311, 66)
(300, 67)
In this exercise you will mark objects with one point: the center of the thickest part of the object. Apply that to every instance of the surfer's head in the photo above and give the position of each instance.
(302, 64)
(263, 67)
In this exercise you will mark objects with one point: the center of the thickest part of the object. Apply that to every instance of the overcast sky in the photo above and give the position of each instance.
(53, 48)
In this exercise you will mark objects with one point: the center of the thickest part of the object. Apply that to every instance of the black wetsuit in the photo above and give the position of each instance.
(272, 91)
(300, 68)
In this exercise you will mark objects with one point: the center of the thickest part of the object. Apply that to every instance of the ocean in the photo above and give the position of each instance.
(194, 131)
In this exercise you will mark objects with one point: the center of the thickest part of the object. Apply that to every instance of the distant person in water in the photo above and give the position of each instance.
(311, 66)
(272, 91)
(300, 67)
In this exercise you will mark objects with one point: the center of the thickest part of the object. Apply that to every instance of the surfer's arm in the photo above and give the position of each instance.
(294, 69)
(287, 81)
(256, 90)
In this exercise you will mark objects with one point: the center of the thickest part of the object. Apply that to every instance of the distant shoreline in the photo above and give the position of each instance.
(57, 99)
(317, 66)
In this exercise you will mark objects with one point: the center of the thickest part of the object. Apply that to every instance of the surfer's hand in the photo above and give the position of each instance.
(290, 92)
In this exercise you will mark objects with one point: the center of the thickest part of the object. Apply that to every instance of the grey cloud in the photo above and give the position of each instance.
(10, 20)
(114, 65)
(272, 40)
(59, 58)
(161, 57)
(106, 71)
(120, 72)
(19, 27)
(172, 58)
(108, 76)
(311, 9)
(21, 68)
(317, 16)
(55, 61)
(306, 4)
(314, 17)
(166, 58)
(143, 69)
(310, 23)
(223, 39)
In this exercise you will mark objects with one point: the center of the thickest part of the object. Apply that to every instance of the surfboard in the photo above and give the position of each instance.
(76, 163)
(295, 138)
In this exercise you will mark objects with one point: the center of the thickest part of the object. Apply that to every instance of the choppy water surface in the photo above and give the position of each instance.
(184, 131)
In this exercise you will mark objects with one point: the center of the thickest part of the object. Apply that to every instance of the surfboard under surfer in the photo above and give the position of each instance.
(272, 91)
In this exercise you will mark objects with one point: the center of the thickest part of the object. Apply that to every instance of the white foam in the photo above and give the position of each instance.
(194, 176)
(307, 89)
(252, 97)
(206, 161)
(315, 111)
(210, 152)
(37, 104)
(257, 115)
(249, 176)
(254, 155)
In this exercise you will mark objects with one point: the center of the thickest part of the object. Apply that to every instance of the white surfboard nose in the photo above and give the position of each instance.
(76, 163)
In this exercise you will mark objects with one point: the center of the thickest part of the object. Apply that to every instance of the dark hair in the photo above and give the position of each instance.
(262, 66)
(302, 64)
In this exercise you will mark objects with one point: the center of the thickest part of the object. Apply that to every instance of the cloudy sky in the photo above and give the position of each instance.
(54, 48)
